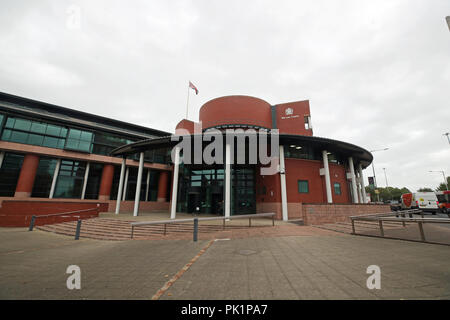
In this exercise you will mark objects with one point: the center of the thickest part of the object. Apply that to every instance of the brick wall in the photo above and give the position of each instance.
(314, 214)
(15, 213)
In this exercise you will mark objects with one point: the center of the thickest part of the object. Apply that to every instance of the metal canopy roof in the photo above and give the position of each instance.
(347, 149)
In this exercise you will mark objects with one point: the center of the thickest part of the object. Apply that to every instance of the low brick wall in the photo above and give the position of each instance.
(316, 214)
(18, 213)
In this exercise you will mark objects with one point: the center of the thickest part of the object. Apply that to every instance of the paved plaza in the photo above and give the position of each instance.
(313, 264)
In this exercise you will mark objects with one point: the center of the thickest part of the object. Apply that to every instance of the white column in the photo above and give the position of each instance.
(86, 175)
(125, 184)
(358, 185)
(327, 176)
(119, 192)
(147, 186)
(2, 156)
(284, 206)
(55, 177)
(363, 187)
(176, 166)
(227, 180)
(353, 178)
(138, 185)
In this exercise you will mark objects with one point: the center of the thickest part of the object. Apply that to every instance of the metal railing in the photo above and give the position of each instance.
(398, 217)
(196, 221)
(64, 215)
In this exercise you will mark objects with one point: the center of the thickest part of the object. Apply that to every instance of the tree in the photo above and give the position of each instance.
(442, 186)
(389, 193)
(425, 190)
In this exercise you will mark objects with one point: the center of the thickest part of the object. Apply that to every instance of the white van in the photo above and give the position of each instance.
(425, 201)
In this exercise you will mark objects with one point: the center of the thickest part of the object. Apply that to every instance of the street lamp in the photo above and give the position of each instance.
(448, 138)
(373, 168)
(385, 176)
(445, 179)
(448, 21)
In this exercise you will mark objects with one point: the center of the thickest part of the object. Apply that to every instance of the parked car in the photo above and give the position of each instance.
(425, 201)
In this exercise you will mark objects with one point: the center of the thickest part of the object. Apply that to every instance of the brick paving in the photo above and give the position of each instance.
(298, 263)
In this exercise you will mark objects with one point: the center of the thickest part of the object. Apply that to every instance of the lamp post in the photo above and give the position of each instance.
(448, 138)
(445, 179)
(448, 21)
(385, 177)
(373, 168)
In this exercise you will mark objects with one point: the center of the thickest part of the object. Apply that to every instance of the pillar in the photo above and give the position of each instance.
(106, 182)
(227, 212)
(162, 186)
(147, 185)
(2, 156)
(327, 176)
(122, 176)
(353, 178)
(363, 187)
(176, 166)
(85, 181)
(125, 184)
(27, 174)
(55, 178)
(284, 206)
(138, 185)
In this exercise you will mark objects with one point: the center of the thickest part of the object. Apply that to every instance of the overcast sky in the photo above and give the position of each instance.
(377, 73)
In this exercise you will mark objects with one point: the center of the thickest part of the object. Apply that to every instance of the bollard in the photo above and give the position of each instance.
(32, 223)
(132, 231)
(353, 226)
(380, 222)
(77, 233)
(422, 233)
(195, 229)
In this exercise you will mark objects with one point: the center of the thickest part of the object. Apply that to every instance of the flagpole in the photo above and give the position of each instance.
(187, 104)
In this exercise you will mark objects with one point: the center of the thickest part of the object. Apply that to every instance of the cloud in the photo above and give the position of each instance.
(376, 73)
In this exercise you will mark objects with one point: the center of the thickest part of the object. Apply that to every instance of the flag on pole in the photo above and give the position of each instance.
(191, 85)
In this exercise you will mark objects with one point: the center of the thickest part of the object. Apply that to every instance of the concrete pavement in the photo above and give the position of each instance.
(313, 266)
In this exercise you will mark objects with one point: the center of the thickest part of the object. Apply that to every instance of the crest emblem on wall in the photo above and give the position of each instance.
(289, 111)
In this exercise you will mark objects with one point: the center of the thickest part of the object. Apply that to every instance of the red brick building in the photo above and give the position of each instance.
(312, 170)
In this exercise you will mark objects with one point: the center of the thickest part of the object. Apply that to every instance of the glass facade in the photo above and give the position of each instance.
(70, 179)
(202, 190)
(44, 178)
(302, 152)
(34, 132)
(94, 180)
(79, 140)
(45, 134)
(9, 173)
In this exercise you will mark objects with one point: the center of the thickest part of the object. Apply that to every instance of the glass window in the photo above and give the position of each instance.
(22, 124)
(94, 179)
(38, 127)
(34, 132)
(9, 173)
(303, 186)
(79, 140)
(337, 188)
(44, 178)
(70, 179)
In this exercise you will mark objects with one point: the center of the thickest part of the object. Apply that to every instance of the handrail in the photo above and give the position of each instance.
(386, 217)
(196, 220)
(33, 217)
